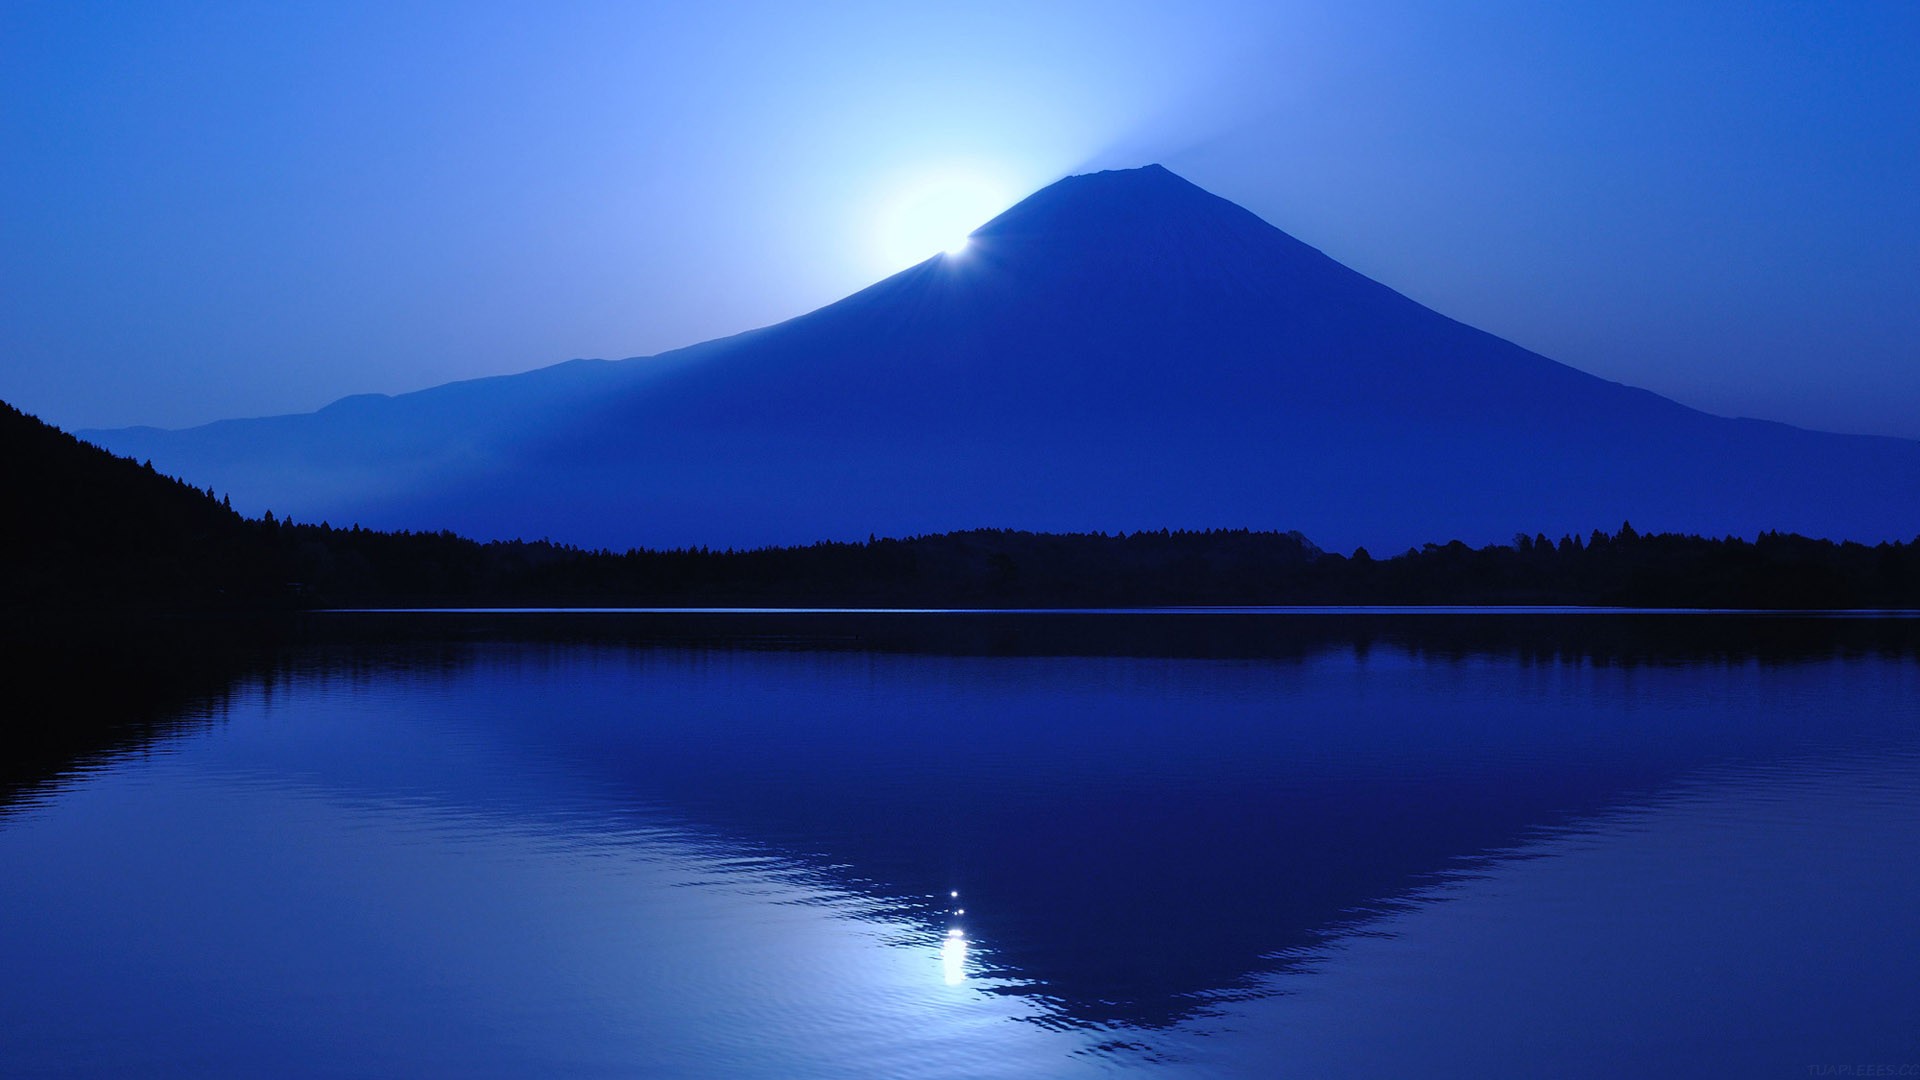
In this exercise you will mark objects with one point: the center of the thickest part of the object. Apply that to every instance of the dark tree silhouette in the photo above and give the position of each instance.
(90, 529)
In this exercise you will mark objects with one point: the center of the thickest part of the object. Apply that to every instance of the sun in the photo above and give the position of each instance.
(937, 213)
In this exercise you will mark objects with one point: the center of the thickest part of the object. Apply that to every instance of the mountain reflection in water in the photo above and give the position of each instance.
(493, 849)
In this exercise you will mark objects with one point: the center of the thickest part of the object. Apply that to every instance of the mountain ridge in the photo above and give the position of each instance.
(1121, 350)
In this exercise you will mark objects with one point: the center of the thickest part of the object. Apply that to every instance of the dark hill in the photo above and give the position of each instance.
(83, 526)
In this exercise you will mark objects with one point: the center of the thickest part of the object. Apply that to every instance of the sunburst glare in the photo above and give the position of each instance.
(937, 212)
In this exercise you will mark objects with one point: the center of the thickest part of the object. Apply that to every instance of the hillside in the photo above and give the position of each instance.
(84, 526)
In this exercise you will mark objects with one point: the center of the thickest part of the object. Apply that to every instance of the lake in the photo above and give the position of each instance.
(974, 845)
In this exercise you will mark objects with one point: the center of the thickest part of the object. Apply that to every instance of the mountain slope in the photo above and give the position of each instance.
(84, 527)
(1121, 350)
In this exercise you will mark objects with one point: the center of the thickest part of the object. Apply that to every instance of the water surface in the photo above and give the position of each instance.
(1270, 845)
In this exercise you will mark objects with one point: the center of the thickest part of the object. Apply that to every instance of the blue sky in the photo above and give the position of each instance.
(226, 210)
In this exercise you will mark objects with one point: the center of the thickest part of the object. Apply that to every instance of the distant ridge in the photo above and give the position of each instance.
(1120, 351)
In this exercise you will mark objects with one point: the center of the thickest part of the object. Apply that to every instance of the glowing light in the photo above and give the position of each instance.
(937, 212)
(953, 957)
(955, 894)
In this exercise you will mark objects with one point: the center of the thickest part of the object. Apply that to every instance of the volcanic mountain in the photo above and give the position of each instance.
(1120, 351)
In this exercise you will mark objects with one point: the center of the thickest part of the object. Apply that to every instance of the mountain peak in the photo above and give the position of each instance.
(1151, 196)
(1154, 173)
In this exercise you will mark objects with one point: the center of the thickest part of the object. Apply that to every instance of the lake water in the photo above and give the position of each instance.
(974, 846)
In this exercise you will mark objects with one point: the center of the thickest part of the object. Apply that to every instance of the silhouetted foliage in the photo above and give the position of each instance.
(89, 529)
(1008, 568)
(84, 526)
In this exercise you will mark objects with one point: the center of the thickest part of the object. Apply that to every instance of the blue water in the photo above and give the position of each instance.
(1313, 853)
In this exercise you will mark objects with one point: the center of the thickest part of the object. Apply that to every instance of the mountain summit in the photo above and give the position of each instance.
(1122, 350)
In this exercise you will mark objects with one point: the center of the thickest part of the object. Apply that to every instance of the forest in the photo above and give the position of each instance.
(87, 529)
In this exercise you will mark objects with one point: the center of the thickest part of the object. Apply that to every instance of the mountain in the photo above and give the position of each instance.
(1120, 351)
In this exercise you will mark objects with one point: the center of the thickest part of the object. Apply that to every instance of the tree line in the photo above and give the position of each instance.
(85, 527)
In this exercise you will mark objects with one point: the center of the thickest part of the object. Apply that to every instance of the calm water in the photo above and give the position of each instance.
(1215, 847)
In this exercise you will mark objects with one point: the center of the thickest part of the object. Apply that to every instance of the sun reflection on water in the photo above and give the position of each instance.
(953, 956)
(953, 948)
